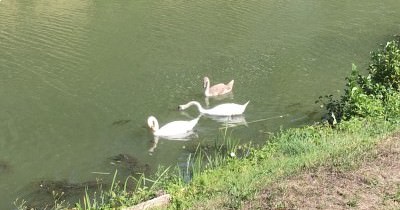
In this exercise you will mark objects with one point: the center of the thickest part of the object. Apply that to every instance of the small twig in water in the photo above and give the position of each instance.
(97, 172)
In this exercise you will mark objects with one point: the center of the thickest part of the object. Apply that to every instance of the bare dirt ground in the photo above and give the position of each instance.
(375, 184)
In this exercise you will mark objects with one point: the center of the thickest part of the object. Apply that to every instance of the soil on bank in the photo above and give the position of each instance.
(375, 184)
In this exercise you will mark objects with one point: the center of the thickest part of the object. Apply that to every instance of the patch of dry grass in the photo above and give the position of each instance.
(375, 184)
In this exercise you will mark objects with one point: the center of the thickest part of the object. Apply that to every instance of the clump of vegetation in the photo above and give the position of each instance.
(373, 95)
(120, 194)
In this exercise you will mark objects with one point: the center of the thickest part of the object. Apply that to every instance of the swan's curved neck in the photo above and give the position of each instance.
(206, 86)
(155, 125)
(207, 90)
(197, 104)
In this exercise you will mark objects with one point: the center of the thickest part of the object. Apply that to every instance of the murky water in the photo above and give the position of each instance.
(78, 79)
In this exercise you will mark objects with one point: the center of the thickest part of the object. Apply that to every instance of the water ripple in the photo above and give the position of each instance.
(46, 43)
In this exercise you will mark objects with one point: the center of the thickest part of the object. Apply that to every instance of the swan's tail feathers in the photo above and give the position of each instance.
(230, 84)
(196, 120)
(245, 105)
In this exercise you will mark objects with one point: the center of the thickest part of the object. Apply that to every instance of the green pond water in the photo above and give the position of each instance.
(78, 79)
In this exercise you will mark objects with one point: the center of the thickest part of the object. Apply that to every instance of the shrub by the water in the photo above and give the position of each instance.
(373, 95)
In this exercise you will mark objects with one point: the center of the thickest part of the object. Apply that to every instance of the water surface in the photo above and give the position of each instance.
(78, 79)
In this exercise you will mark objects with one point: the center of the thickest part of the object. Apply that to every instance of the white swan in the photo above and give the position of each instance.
(228, 109)
(218, 89)
(171, 129)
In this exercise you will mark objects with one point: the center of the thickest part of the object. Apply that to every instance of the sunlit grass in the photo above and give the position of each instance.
(287, 153)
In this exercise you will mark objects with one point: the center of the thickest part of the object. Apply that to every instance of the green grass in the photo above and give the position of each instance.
(293, 150)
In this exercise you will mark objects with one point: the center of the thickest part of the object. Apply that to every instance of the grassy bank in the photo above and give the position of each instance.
(230, 175)
(372, 182)
(290, 152)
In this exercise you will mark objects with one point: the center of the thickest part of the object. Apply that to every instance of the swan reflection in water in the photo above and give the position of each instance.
(229, 121)
(180, 137)
(226, 121)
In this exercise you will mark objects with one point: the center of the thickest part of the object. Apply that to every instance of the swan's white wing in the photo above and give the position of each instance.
(175, 128)
(181, 137)
(226, 110)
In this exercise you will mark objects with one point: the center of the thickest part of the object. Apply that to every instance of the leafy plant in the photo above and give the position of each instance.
(385, 67)
(372, 95)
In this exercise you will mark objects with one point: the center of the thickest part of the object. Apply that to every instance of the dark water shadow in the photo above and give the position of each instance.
(129, 165)
(120, 122)
(301, 114)
(42, 194)
(5, 167)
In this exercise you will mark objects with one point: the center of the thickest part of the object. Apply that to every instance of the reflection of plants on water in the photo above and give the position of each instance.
(120, 122)
(54, 194)
(51, 194)
(129, 163)
(50, 186)
(132, 191)
(4, 167)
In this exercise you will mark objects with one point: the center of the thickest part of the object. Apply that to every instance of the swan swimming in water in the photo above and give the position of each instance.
(171, 129)
(218, 89)
(228, 109)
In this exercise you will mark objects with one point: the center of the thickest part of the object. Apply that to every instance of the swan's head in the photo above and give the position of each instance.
(206, 82)
(152, 123)
(185, 106)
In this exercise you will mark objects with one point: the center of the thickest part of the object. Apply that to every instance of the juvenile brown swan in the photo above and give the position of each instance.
(218, 89)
